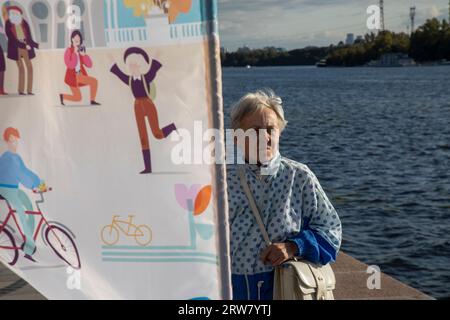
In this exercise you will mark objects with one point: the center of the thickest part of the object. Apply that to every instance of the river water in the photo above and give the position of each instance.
(378, 140)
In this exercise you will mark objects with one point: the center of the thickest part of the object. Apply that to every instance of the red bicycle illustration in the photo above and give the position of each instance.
(54, 235)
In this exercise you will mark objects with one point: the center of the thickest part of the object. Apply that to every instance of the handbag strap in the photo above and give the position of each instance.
(253, 206)
(319, 277)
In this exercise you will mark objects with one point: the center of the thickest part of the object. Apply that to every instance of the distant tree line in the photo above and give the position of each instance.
(430, 42)
(372, 48)
(271, 56)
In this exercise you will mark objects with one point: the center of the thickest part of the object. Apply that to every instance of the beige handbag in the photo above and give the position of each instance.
(295, 279)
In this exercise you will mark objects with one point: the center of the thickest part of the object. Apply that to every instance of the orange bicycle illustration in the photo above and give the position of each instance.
(111, 233)
(54, 234)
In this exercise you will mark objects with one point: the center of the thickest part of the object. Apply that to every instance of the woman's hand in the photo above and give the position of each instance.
(277, 253)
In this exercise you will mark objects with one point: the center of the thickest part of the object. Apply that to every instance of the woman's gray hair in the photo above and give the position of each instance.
(256, 101)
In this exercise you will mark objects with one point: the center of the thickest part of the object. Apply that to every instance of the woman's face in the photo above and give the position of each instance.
(137, 65)
(76, 41)
(264, 123)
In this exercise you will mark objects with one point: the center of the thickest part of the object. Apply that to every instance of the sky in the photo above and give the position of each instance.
(292, 24)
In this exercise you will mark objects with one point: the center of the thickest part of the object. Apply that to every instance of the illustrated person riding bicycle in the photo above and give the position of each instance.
(13, 174)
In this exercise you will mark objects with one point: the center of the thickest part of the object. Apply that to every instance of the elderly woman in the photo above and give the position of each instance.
(298, 216)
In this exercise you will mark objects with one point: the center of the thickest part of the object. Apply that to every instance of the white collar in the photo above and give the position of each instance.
(269, 168)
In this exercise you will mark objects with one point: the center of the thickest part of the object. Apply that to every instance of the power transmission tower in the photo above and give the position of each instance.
(412, 15)
(382, 15)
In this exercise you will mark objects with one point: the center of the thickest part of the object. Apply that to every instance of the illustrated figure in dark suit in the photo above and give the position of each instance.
(21, 47)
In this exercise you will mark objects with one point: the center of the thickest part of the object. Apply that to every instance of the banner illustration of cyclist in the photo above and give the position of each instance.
(13, 175)
(117, 216)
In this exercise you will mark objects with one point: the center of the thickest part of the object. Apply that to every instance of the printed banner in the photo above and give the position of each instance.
(102, 194)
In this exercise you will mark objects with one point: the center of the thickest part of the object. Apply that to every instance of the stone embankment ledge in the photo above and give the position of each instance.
(351, 278)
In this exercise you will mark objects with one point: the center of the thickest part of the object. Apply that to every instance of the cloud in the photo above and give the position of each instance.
(287, 23)
(297, 23)
(433, 11)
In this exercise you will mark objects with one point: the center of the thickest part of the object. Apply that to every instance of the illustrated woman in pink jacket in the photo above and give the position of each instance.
(77, 61)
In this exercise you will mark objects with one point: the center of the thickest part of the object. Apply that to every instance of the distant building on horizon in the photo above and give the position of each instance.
(393, 59)
(359, 39)
(245, 48)
(350, 39)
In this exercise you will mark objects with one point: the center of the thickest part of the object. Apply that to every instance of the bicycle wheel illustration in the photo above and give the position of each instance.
(63, 245)
(110, 235)
(8, 251)
(143, 235)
